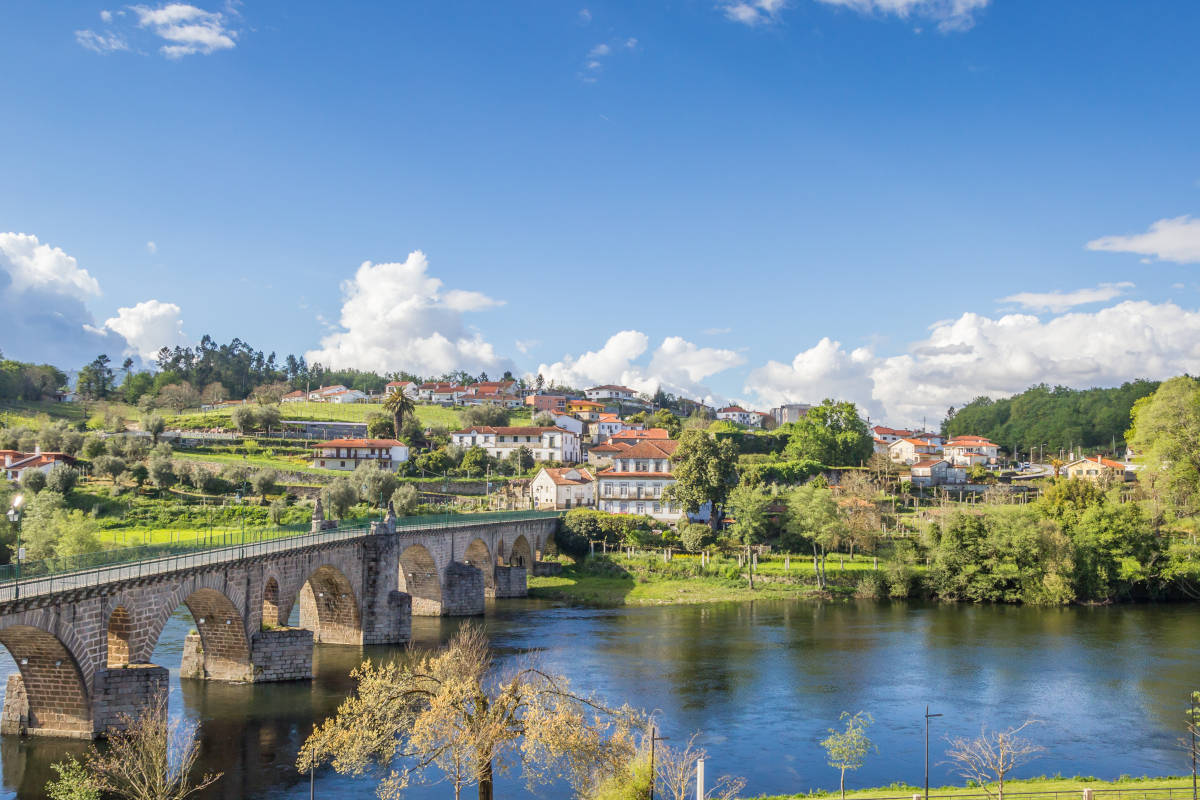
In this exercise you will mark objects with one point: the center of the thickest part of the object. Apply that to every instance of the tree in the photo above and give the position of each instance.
(1165, 432)
(675, 770)
(33, 480)
(695, 536)
(96, 379)
(668, 421)
(339, 497)
(139, 474)
(264, 482)
(520, 460)
(705, 471)
(400, 406)
(474, 461)
(812, 515)
(832, 433)
(540, 383)
(151, 759)
(406, 498)
(154, 425)
(544, 419)
(112, 466)
(214, 393)
(162, 473)
(270, 393)
(859, 509)
(73, 782)
(93, 446)
(448, 713)
(992, 756)
(375, 484)
(244, 418)
(1191, 739)
(484, 415)
(848, 749)
(267, 417)
(380, 426)
(748, 506)
(62, 479)
(179, 396)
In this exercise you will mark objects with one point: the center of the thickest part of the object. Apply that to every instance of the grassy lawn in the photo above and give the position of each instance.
(1039, 785)
(258, 461)
(428, 415)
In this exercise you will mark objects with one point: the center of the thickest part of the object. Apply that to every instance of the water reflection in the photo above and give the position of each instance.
(763, 681)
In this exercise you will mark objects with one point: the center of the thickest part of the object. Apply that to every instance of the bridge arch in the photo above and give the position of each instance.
(270, 603)
(329, 607)
(421, 578)
(223, 652)
(478, 556)
(56, 694)
(120, 637)
(521, 554)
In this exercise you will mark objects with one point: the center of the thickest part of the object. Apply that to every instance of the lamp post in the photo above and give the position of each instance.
(14, 516)
(654, 737)
(928, 717)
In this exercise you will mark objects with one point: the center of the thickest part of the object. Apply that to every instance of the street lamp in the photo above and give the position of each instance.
(928, 717)
(14, 516)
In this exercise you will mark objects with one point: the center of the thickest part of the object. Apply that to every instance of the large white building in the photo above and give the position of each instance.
(740, 415)
(546, 444)
(349, 453)
(610, 392)
(635, 482)
(563, 487)
(969, 451)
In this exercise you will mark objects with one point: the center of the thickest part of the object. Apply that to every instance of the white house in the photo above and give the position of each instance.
(569, 423)
(297, 396)
(968, 451)
(318, 395)
(349, 453)
(910, 451)
(740, 415)
(634, 484)
(408, 387)
(345, 396)
(17, 463)
(546, 443)
(563, 487)
(610, 392)
(1095, 469)
(937, 472)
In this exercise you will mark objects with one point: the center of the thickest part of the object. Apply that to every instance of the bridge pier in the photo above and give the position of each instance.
(510, 582)
(462, 594)
(121, 693)
(281, 654)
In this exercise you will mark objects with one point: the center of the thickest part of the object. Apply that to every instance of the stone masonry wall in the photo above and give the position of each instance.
(16, 706)
(282, 654)
(122, 693)
(462, 596)
(511, 582)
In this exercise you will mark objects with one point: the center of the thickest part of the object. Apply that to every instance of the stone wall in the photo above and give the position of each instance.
(462, 596)
(15, 716)
(192, 665)
(282, 654)
(543, 568)
(511, 582)
(122, 693)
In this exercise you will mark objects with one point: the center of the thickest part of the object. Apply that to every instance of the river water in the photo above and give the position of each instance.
(763, 682)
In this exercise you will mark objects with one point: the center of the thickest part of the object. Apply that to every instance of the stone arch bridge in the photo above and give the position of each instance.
(83, 640)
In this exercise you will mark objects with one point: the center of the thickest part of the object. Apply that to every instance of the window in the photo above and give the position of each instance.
(657, 508)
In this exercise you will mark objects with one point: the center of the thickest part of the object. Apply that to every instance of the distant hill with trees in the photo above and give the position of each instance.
(1057, 417)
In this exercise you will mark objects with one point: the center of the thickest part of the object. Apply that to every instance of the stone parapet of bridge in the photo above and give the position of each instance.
(83, 641)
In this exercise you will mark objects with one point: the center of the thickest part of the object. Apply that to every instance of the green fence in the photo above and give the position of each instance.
(231, 538)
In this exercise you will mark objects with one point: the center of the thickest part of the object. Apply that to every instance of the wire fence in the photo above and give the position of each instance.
(48, 576)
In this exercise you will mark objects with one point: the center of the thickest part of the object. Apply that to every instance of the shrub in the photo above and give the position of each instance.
(33, 480)
(62, 479)
(695, 536)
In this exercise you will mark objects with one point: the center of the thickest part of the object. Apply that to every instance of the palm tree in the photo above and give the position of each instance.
(399, 405)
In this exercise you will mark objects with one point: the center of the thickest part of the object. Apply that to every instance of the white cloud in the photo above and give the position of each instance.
(676, 365)
(753, 12)
(631, 43)
(396, 316)
(33, 265)
(147, 327)
(1058, 302)
(1175, 240)
(585, 16)
(525, 345)
(101, 42)
(188, 29)
(949, 15)
(151, 247)
(977, 355)
(106, 16)
(599, 50)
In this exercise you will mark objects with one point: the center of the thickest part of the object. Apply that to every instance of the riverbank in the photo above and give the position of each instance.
(1130, 788)
(618, 580)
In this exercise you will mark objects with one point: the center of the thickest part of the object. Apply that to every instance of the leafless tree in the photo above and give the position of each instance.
(676, 768)
(992, 755)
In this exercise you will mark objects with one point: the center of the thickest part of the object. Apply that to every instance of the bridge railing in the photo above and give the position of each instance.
(107, 566)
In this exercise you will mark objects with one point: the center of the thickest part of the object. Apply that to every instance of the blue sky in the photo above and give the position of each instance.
(765, 200)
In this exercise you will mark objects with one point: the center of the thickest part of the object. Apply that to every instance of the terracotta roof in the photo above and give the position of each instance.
(929, 462)
(360, 443)
(559, 476)
(654, 434)
(607, 448)
(586, 403)
(655, 449)
(1107, 462)
(913, 442)
(610, 473)
(731, 410)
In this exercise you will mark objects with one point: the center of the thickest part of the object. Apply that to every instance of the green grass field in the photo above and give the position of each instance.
(1045, 785)
(257, 461)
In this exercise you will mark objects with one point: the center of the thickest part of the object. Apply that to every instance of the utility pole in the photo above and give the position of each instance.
(654, 737)
(928, 717)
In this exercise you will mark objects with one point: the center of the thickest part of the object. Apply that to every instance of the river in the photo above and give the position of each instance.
(763, 682)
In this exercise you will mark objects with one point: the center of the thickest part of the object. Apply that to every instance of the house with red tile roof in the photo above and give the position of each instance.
(347, 454)
(937, 472)
(17, 463)
(740, 416)
(1098, 468)
(910, 451)
(563, 487)
(969, 451)
(545, 443)
(610, 392)
(635, 482)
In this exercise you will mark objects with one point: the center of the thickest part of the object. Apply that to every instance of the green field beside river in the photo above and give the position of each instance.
(1129, 789)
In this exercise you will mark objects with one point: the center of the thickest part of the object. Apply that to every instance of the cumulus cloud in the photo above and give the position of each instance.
(599, 50)
(397, 316)
(42, 301)
(753, 12)
(676, 365)
(33, 265)
(948, 15)
(102, 43)
(147, 327)
(978, 355)
(1058, 302)
(1175, 240)
(186, 29)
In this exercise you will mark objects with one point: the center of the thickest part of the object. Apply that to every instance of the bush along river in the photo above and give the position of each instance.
(763, 681)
